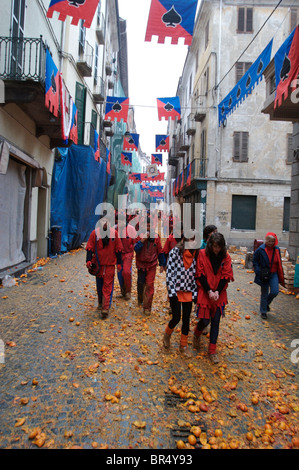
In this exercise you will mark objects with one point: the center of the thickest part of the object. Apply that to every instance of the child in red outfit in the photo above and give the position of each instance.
(148, 252)
(128, 236)
(109, 249)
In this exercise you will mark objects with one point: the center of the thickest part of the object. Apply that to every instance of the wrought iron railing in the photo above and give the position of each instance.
(22, 59)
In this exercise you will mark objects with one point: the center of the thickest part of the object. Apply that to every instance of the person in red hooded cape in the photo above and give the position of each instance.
(104, 249)
(213, 273)
(268, 270)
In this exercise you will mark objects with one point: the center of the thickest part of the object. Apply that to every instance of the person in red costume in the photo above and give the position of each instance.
(267, 258)
(109, 249)
(128, 236)
(148, 252)
(213, 273)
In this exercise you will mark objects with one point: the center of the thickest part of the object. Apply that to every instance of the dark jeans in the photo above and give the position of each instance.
(176, 310)
(215, 322)
(269, 290)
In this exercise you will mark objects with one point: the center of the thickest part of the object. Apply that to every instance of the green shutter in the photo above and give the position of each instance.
(80, 99)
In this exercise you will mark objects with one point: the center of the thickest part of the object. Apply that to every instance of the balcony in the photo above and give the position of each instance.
(109, 128)
(184, 143)
(108, 68)
(110, 84)
(289, 109)
(84, 62)
(99, 90)
(23, 70)
(191, 126)
(101, 28)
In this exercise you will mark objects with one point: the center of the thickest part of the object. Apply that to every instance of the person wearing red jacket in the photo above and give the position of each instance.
(148, 253)
(109, 248)
(213, 273)
(128, 237)
(267, 256)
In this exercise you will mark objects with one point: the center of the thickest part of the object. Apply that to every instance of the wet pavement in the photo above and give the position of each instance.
(69, 379)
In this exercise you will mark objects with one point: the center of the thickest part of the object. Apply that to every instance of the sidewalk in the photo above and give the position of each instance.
(79, 381)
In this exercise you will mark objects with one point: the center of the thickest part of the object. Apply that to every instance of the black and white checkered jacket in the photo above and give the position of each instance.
(177, 277)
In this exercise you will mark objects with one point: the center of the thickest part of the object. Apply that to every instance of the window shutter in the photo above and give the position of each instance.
(80, 104)
(249, 20)
(241, 19)
(290, 148)
(240, 147)
(237, 140)
(244, 147)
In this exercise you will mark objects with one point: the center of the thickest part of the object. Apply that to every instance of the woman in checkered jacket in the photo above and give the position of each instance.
(182, 289)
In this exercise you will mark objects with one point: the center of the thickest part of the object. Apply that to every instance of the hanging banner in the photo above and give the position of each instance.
(66, 107)
(126, 158)
(96, 146)
(152, 170)
(74, 128)
(162, 143)
(156, 159)
(182, 181)
(116, 109)
(188, 181)
(131, 142)
(108, 162)
(286, 62)
(245, 86)
(169, 108)
(171, 18)
(78, 9)
(139, 177)
(51, 85)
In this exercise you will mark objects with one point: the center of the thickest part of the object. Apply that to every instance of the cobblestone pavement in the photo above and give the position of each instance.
(70, 379)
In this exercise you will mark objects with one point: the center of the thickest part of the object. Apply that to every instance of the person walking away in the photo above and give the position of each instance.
(148, 253)
(268, 270)
(213, 273)
(109, 249)
(182, 290)
(128, 236)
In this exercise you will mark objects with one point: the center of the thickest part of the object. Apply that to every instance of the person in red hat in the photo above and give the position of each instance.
(268, 270)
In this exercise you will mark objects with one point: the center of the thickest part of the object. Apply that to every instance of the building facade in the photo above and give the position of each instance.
(241, 170)
(93, 65)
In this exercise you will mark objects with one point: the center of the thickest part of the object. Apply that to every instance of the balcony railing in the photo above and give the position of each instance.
(23, 70)
(85, 59)
(22, 59)
(99, 90)
(101, 28)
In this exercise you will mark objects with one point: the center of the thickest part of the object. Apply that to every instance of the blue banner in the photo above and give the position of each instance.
(244, 86)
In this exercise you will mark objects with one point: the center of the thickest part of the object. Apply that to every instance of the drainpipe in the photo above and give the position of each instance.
(218, 147)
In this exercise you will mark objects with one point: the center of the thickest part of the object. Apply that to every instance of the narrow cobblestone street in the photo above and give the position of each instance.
(70, 379)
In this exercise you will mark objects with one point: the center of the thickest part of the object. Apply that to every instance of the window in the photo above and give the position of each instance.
(82, 33)
(293, 18)
(240, 147)
(290, 150)
(241, 69)
(96, 60)
(286, 214)
(243, 212)
(245, 20)
(18, 24)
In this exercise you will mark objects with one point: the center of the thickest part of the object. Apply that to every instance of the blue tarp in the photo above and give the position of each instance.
(78, 185)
